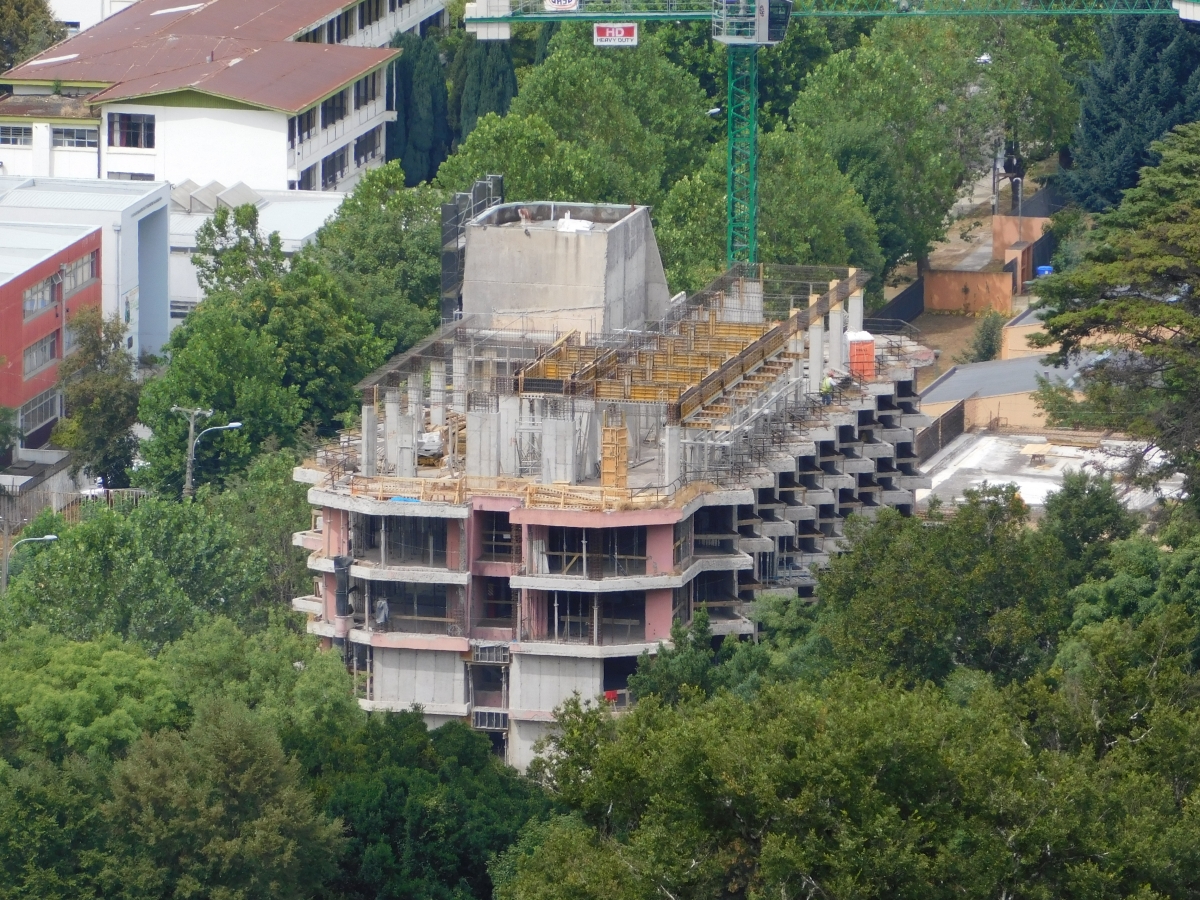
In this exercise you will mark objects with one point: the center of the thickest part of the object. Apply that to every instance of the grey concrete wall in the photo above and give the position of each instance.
(558, 451)
(483, 443)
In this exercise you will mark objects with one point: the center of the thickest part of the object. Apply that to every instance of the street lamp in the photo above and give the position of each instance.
(9, 550)
(191, 460)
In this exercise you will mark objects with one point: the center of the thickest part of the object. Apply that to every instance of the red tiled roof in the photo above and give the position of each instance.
(237, 49)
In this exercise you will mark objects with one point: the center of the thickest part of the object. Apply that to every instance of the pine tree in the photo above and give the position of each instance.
(399, 86)
(428, 132)
(1147, 83)
(489, 83)
(546, 31)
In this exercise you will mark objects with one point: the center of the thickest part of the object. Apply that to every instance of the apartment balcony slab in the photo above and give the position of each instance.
(575, 650)
(897, 435)
(369, 571)
(800, 513)
(756, 545)
(373, 507)
(857, 466)
(408, 640)
(914, 482)
(314, 606)
(778, 529)
(881, 450)
(915, 420)
(896, 498)
(456, 710)
(309, 540)
(723, 562)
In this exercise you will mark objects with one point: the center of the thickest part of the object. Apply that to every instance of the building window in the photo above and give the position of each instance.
(80, 272)
(180, 309)
(16, 135)
(70, 339)
(366, 90)
(40, 354)
(339, 28)
(369, 12)
(126, 130)
(41, 409)
(308, 179)
(40, 297)
(366, 147)
(302, 127)
(334, 109)
(316, 36)
(76, 137)
(130, 176)
(333, 167)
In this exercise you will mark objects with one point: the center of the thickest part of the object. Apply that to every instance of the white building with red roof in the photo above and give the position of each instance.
(274, 93)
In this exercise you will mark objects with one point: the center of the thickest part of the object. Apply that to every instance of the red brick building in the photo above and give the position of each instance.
(47, 274)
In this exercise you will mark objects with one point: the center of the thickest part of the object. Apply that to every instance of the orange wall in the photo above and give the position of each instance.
(944, 291)
(1005, 232)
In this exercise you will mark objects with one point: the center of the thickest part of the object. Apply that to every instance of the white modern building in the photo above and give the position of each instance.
(133, 219)
(295, 215)
(278, 95)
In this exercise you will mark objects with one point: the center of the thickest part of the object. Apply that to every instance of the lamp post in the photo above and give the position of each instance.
(8, 552)
(193, 441)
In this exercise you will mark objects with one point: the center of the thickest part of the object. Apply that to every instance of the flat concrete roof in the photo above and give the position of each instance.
(24, 245)
(74, 193)
(296, 215)
(548, 215)
(998, 378)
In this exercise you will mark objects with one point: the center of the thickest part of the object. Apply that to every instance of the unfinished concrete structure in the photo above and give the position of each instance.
(524, 511)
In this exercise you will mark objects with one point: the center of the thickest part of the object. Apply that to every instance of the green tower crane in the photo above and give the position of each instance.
(744, 26)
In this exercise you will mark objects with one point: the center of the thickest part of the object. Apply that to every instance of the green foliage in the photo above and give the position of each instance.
(219, 810)
(1132, 295)
(1144, 86)
(383, 249)
(1086, 516)
(687, 664)
(916, 602)
(231, 251)
(10, 427)
(27, 27)
(426, 128)
(59, 698)
(986, 339)
(218, 362)
(146, 574)
(101, 395)
(484, 81)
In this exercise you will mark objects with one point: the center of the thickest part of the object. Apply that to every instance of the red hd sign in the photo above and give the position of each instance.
(609, 35)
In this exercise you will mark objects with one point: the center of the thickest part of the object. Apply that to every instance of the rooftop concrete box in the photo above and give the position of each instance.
(592, 267)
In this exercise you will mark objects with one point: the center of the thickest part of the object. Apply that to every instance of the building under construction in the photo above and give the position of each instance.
(544, 485)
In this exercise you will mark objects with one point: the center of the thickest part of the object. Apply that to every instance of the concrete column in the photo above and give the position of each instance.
(370, 436)
(672, 454)
(406, 442)
(459, 380)
(483, 444)
(391, 429)
(816, 355)
(416, 398)
(856, 312)
(437, 393)
(510, 413)
(837, 338)
(558, 451)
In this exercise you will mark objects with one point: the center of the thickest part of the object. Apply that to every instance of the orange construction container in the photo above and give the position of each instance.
(862, 357)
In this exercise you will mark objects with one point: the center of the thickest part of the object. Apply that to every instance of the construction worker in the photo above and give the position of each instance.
(826, 389)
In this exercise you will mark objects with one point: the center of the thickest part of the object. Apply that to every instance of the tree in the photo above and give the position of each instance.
(977, 590)
(1132, 296)
(231, 251)
(95, 698)
(986, 340)
(399, 88)
(1147, 83)
(101, 393)
(220, 810)
(810, 214)
(217, 362)
(10, 428)
(383, 247)
(427, 131)
(910, 129)
(484, 82)
(1086, 517)
(27, 27)
(687, 664)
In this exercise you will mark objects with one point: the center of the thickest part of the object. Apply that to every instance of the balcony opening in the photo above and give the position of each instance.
(716, 592)
(500, 541)
(715, 534)
(594, 618)
(489, 686)
(596, 552)
(617, 670)
(412, 608)
(495, 603)
(398, 540)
